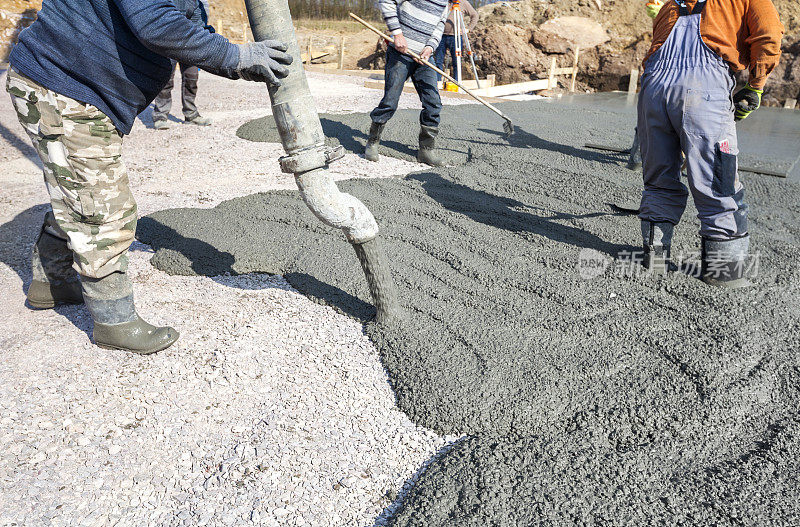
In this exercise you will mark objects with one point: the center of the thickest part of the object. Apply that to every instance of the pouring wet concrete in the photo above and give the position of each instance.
(617, 399)
(768, 140)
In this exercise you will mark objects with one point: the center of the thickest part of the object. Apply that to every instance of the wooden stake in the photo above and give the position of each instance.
(551, 80)
(633, 84)
(341, 54)
(575, 69)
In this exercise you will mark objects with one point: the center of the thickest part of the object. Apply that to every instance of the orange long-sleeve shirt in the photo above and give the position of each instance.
(746, 33)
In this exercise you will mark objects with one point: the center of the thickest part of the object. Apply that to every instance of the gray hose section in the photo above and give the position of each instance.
(301, 131)
(380, 281)
(334, 208)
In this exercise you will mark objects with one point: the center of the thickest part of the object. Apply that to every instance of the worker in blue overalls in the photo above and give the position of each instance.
(686, 105)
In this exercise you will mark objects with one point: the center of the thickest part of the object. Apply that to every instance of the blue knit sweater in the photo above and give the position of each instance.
(115, 54)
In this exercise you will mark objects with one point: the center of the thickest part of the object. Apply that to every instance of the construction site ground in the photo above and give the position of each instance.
(520, 391)
(263, 386)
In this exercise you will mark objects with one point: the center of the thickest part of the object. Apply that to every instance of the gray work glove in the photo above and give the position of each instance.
(263, 62)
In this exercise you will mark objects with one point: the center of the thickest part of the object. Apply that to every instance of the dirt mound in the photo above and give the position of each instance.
(559, 34)
(517, 28)
(15, 15)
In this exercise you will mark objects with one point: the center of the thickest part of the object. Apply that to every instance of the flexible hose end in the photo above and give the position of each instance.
(334, 208)
(381, 284)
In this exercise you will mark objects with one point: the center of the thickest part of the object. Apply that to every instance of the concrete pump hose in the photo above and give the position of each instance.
(301, 131)
(304, 142)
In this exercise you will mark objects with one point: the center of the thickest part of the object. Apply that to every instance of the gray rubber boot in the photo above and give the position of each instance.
(427, 147)
(199, 121)
(725, 262)
(54, 282)
(657, 243)
(116, 323)
(374, 140)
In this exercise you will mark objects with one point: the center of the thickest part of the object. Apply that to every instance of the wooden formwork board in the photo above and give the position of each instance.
(409, 88)
(332, 70)
(514, 89)
(754, 170)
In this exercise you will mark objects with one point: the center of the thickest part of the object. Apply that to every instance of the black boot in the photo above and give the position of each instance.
(427, 147)
(657, 243)
(635, 157)
(54, 280)
(725, 262)
(116, 323)
(374, 140)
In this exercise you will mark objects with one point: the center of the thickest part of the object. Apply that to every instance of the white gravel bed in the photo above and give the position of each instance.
(269, 410)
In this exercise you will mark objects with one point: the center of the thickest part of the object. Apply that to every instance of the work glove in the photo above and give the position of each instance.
(746, 101)
(653, 7)
(263, 61)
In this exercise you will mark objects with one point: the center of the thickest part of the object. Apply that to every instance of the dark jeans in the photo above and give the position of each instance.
(163, 102)
(448, 43)
(399, 68)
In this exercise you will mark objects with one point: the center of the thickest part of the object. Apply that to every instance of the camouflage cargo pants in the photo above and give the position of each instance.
(81, 151)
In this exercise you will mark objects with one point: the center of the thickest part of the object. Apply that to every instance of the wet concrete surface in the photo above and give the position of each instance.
(617, 400)
(769, 140)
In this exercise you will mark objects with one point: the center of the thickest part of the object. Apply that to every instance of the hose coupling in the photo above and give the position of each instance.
(310, 159)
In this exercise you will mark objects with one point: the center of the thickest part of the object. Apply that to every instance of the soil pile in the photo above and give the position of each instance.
(507, 44)
(15, 15)
(616, 400)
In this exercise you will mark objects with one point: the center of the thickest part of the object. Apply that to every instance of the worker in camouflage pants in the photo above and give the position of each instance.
(93, 220)
(81, 153)
(76, 102)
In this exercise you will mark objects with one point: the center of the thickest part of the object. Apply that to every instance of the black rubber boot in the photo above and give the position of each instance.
(54, 281)
(657, 243)
(725, 262)
(635, 157)
(374, 140)
(427, 147)
(116, 323)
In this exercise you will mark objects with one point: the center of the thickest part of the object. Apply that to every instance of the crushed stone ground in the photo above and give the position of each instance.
(614, 400)
(270, 410)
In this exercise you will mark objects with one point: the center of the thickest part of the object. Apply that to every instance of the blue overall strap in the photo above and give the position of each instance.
(684, 9)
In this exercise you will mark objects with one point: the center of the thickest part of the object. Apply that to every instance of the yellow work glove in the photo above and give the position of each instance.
(653, 7)
(747, 100)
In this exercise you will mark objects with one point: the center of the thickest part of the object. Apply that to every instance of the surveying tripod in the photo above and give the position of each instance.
(460, 31)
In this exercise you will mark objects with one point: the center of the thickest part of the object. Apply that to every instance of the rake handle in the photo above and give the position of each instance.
(416, 57)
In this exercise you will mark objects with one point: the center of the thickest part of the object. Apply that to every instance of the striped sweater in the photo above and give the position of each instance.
(420, 21)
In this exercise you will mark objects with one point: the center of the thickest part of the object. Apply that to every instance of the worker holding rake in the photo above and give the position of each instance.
(417, 26)
(686, 105)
